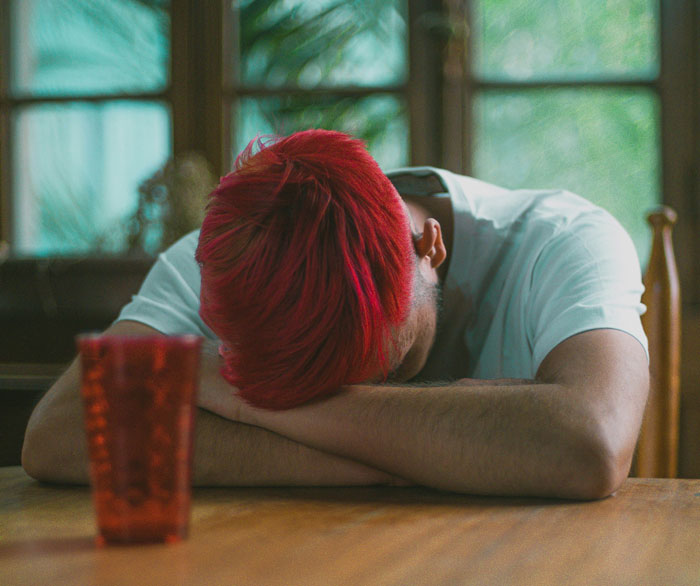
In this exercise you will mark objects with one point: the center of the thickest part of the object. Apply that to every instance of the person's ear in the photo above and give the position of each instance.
(430, 245)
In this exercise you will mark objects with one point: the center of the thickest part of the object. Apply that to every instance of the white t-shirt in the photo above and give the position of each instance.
(528, 269)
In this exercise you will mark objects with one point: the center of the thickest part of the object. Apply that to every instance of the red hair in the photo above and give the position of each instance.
(307, 266)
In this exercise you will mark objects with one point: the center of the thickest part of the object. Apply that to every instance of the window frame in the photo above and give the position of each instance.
(12, 102)
(677, 87)
(411, 90)
(65, 297)
(5, 151)
(439, 91)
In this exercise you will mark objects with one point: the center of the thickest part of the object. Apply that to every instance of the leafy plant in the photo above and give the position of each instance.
(171, 203)
(330, 45)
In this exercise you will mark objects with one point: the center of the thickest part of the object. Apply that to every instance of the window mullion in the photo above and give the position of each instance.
(196, 79)
(457, 96)
(5, 142)
(679, 138)
(424, 89)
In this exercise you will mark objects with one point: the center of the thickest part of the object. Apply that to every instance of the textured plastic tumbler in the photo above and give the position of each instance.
(139, 397)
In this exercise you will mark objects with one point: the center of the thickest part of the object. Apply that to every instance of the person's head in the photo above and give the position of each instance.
(308, 269)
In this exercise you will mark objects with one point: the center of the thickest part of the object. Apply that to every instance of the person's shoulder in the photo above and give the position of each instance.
(182, 250)
(186, 242)
(582, 237)
(562, 211)
(560, 202)
(573, 215)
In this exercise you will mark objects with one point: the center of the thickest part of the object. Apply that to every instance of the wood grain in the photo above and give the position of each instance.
(657, 449)
(648, 533)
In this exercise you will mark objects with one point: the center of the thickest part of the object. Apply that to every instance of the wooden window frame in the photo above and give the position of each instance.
(193, 94)
(419, 91)
(202, 89)
(677, 88)
(439, 92)
(440, 89)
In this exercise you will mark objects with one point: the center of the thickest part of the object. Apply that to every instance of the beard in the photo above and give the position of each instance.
(429, 294)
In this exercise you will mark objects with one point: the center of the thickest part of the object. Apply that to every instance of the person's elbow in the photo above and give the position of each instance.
(54, 449)
(39, 456)
(603, 376)
(32, 462)
(35, 459)
(602, 463)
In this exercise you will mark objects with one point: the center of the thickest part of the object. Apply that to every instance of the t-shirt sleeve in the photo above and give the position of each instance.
(168, 300)
(586, 277)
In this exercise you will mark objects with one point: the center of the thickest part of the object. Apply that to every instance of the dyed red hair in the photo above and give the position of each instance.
(307, 266)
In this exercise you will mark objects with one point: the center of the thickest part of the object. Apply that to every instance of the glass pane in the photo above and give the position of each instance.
(525, 39)
(87, 47)
(322, 43)
(77, 172)
(601, 144)
(381, 121)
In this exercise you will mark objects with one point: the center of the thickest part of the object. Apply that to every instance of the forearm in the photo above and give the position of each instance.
(572, 435)
(523, 439)
(226, 452)
(55, 445)
(476, 439)
(231, 453)
(235, 454)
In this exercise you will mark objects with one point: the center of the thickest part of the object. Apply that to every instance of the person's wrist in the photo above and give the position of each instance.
(218, 396)
(259, 416)
(245, 412)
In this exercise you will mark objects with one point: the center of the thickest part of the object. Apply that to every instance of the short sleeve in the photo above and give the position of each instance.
(586, 277)
(168, 300)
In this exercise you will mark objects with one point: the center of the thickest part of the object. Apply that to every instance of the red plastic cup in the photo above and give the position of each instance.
(139, 397)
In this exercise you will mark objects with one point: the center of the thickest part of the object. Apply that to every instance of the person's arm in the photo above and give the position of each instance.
(569, 434)
(226, 452)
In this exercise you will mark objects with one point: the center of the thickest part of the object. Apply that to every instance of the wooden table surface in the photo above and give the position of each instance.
(648, 533)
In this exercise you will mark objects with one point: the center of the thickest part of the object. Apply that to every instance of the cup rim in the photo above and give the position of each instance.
(188, 339)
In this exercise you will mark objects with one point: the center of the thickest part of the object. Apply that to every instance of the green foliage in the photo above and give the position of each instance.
(329, 44)
(599, 143)
(379, 120)
(171, 204)
(544, 39)
(92, 46)
(293, 43)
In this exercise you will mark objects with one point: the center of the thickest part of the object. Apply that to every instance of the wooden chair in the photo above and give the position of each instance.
(657, 449)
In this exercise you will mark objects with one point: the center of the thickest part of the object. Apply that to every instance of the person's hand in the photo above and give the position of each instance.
(215, 393)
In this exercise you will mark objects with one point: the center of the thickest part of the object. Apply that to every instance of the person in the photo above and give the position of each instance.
(347, 348)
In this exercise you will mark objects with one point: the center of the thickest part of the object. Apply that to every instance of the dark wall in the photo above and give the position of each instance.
(43, 305)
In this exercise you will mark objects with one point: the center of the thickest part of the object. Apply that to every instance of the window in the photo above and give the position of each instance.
(564, 95)
(325, 64)
(596, 97)
(95, 96)
(85, 120)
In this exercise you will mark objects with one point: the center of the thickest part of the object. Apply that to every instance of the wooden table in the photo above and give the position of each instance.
(648, 533)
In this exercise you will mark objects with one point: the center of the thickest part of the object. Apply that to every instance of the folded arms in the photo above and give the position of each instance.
(570, 433)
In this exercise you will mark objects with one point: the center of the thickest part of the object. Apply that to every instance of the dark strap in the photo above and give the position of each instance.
(418, 185)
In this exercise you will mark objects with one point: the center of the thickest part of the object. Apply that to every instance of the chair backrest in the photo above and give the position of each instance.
(657, 449)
